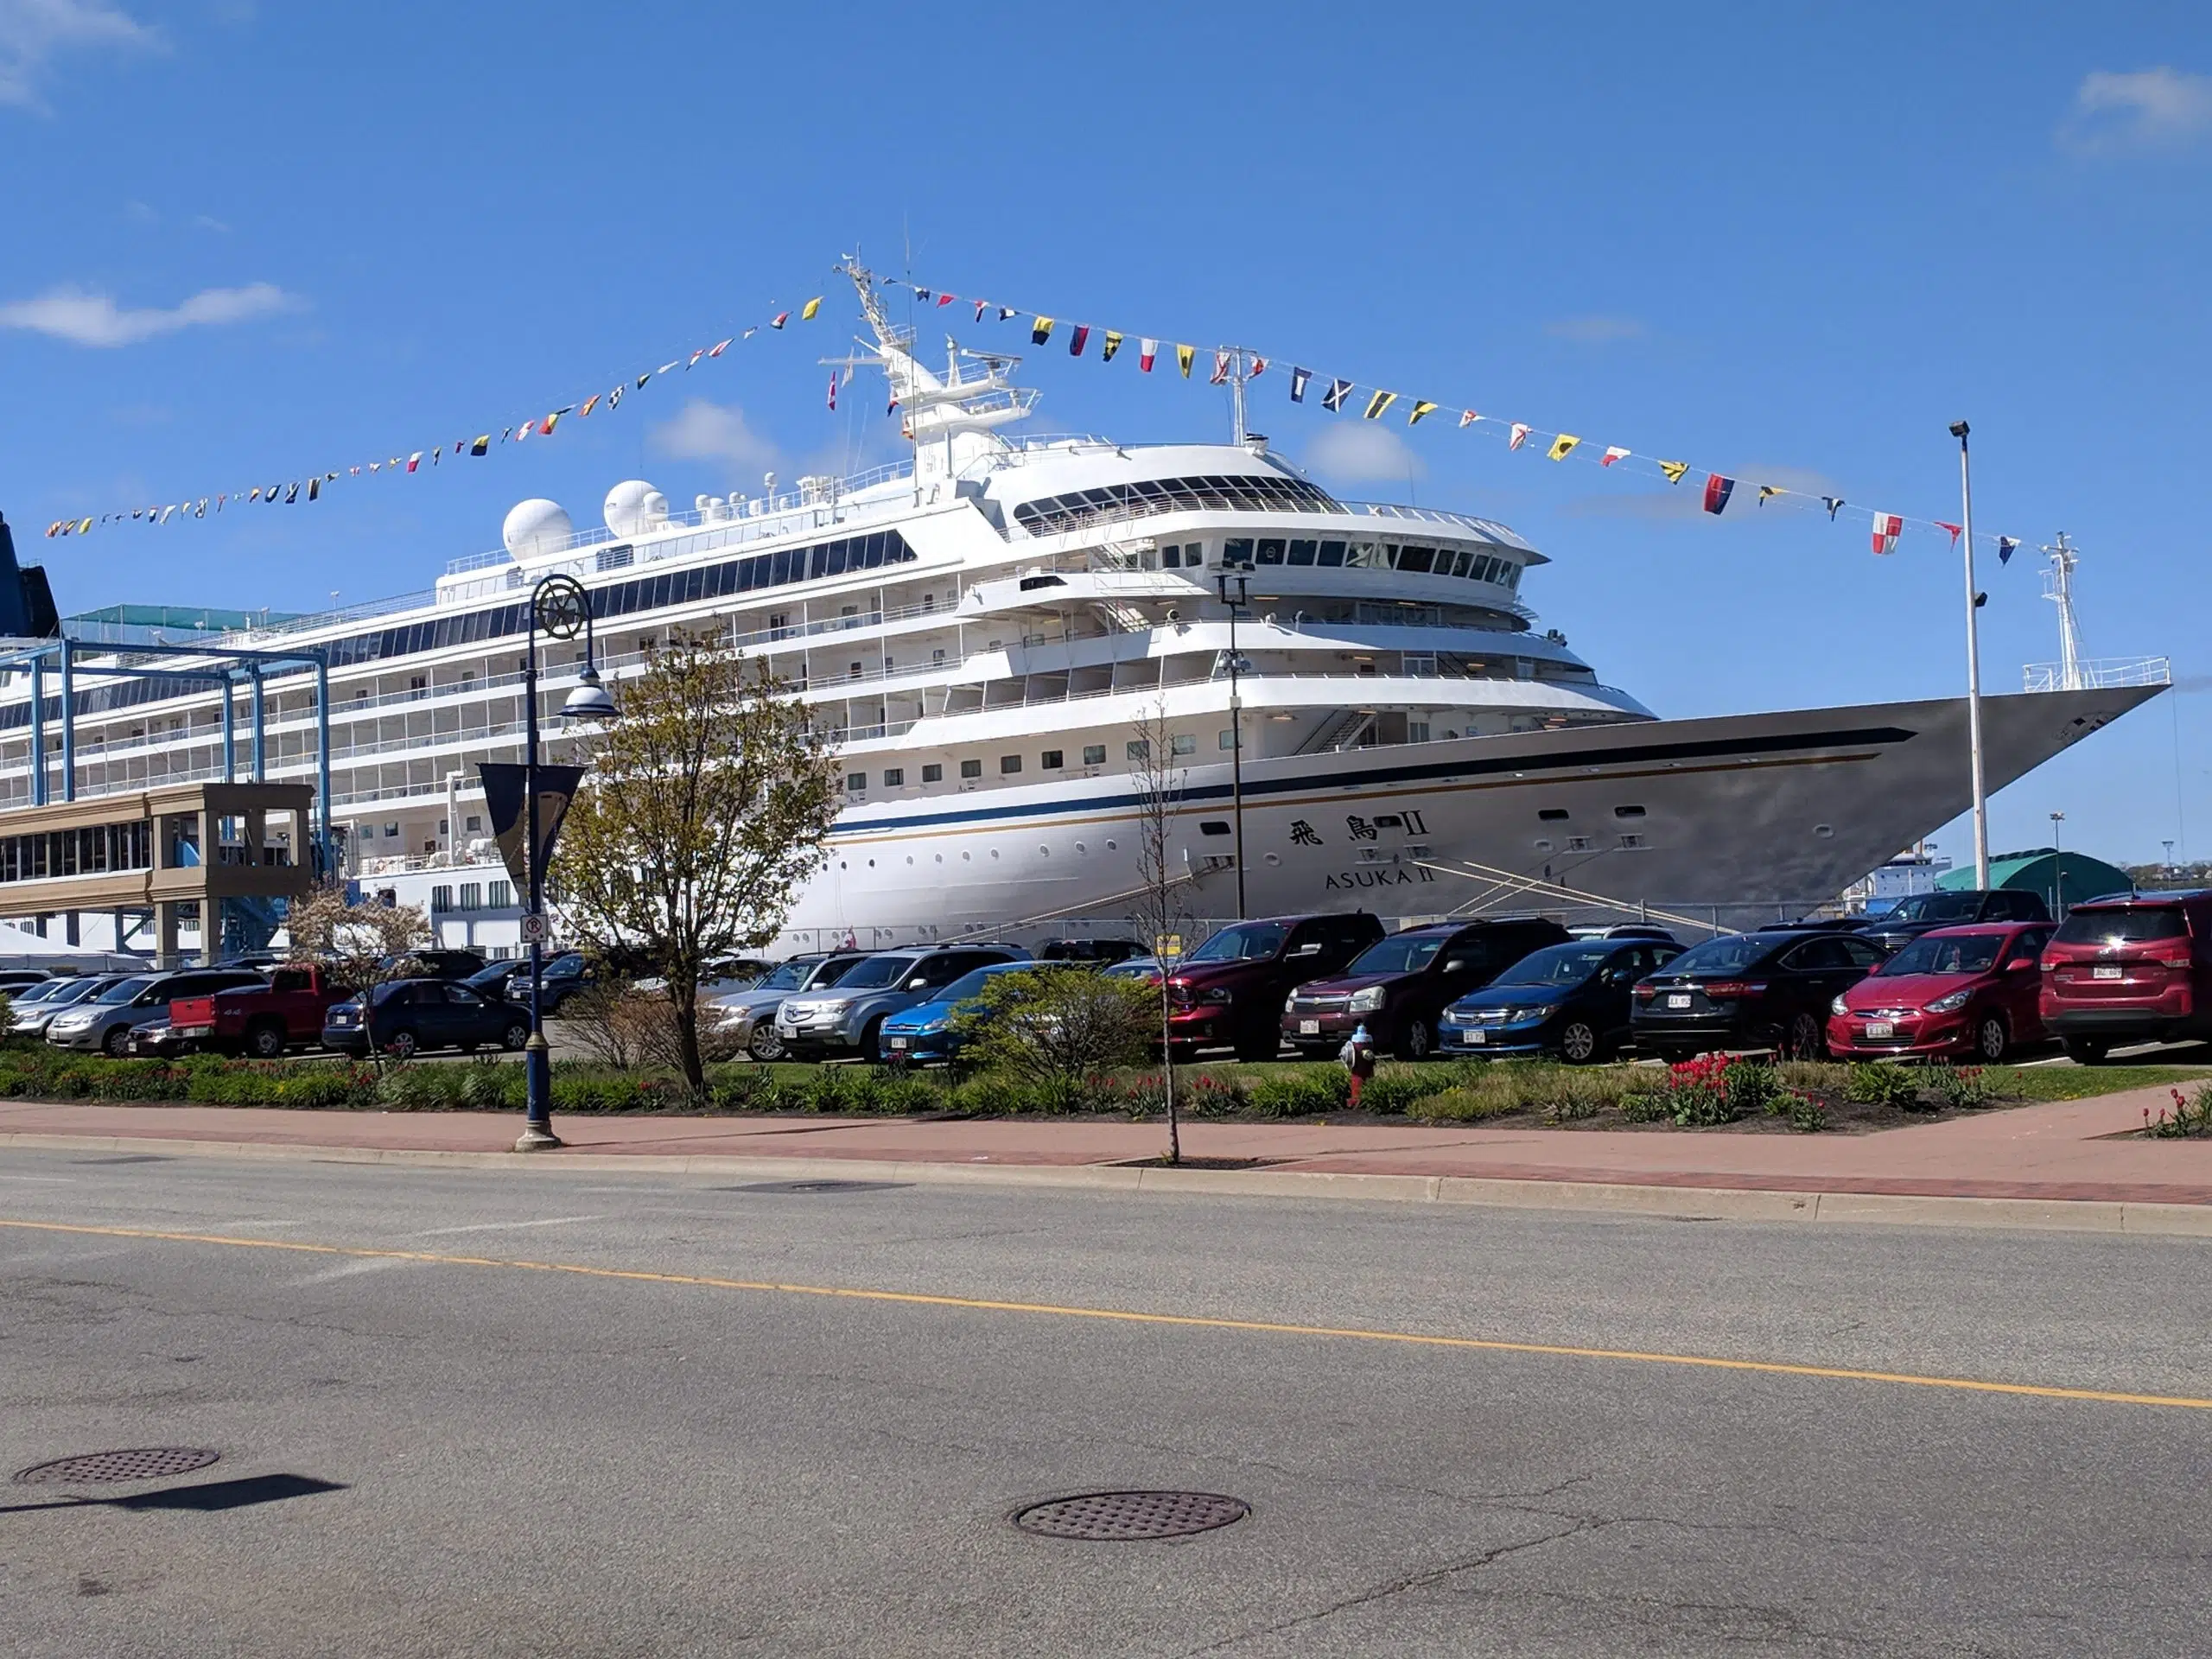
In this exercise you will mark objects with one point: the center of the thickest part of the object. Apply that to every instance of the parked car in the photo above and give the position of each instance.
(2134, 968)
(1143, 967)
(30, 1013)
(1232, 989)
(1924, 913)
(104, 1021)
(1765, 989)
(405, 1016)
(1104, 952)
(749, 1017)
(925, 1032)
(1958, 991)
(263, 1018)
(1399, 987)
(508, 980)
(14, 981)
(850, 1018)
(441, 964)
(1571, 1000)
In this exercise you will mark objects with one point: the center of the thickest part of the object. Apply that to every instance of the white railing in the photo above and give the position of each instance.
(2100, 675)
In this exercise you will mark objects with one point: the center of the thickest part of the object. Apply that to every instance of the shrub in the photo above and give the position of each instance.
(1805, 1116)
(1959, 1087)
(1872, 1084)
(1394, 1089)
(1307, 1092)
(1652, 1105)
(2188, 1117)
(1058, 1026)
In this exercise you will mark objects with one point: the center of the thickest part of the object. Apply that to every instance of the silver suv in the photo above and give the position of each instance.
(847, 1020)
(749, 1016)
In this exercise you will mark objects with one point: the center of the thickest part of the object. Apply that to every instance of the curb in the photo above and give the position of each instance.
(1625, 1199)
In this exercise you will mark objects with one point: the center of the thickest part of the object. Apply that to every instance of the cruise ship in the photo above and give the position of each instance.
(992, 627)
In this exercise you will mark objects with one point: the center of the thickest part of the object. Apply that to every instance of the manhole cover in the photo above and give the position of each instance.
(1113, 1515)
(817, 1186)
(145, 1463)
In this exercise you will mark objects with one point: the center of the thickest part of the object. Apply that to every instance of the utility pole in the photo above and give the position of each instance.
(1222, 579)
(2057, 871)
(1974, 665)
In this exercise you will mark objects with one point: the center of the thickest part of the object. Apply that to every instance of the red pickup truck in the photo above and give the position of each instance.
(260, 1021)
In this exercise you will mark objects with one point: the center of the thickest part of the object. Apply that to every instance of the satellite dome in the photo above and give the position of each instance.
(634, 507)
(535, 527)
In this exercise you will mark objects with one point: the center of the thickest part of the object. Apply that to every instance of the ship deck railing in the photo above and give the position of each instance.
(2098, 675)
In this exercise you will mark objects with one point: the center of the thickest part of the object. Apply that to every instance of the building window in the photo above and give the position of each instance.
(1094, 755)
(1138, 749)
(1184, 743)
(1225, 738)
(937, 656)
(855, 782)
(1049, 761)
(1009, 765)
(472, 895)
(475, 823)
(441, 901)
(391, 832)
(502, 895)
(894, 777)
(932, 773)
(971, 768)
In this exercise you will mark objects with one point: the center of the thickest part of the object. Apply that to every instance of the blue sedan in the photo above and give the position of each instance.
(924, 1032)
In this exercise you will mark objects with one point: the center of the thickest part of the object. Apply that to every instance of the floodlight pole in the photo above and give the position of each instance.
(536, 1058)
(1974, 667)
(1235, 724)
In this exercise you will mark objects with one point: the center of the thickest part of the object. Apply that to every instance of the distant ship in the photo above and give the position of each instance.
(987, 625)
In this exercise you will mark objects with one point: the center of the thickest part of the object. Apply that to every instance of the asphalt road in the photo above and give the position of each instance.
(500, 1412)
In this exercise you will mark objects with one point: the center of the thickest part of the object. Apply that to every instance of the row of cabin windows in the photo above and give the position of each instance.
(1371, 556)
(87, 851)
(473, 897)
(1244, 493)
(1094, 755)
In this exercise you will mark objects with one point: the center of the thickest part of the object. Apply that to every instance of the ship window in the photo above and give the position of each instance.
(1138, 749)
(1416, 731)
(1094, 755)
(1628, 812)
(1332, 553)
(1416, 558)
(1363, 555)
(971, 768)
(1552, 815)
(1009, 765)
(1171, 556)
(472, 895)
(1236, 551)
(1225, 738)
(932, 773)
(1301, 552)
(1270, 549)
(500, 895)
(1213, 827)
(473, 824)
(441, 901)
(1049, 761)
(1182, 743)
(855, 782)
(1194, 554)
(894, 777)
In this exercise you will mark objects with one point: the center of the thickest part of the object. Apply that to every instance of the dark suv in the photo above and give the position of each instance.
(1399, 987)
(1231, 989)
(2135, 968)
(1924, 913)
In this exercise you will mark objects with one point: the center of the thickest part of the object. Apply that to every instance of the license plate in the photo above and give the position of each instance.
(2108, 971)
(1678, 1001)
(1878, 1029)
(898, 1042)
(193, 1031)
(1478, 1037)
(1309, 1027)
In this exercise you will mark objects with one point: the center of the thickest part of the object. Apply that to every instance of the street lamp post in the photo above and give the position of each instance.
(1222, 579)
(1974, 665)
(2057, 871)
(560, 608)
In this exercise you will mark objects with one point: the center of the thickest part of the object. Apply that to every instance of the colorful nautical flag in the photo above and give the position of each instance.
(1077, 340)
(1716, 491)
(1674, 469)
(1831, 502)
(590, 403)
(1333, 399)
(413, 461)
(1298, 379)
(1888, 526)
(1220, 375)
(482, 446)
(1007, 313)
(943, 300)
(1040, 331)
(1562, 446)
(806, 312)
(892, 408)
(981, 306)
(1520, 430)
(719, 347)
(1147, 350)
(921, 293)
(694, 363)
(314, 492)
(1954, 529)
(2005, 546)
(614, 397)
(1184, 356)
(1766, 490)
(1111, 345)
(776, 321)
(1378, 402)
(1259, 368)
(1422, 406)
(1468, 418)
(833, 389)
(1613, 453)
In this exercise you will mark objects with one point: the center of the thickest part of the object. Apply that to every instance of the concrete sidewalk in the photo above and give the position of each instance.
(2057, 1163)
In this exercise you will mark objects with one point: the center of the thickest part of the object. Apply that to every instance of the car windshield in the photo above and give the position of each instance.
(1406, 954)
(1254, 942)
(124, 990)
(41, 991)
(2129, 924)
(1936, 907)
(834, 972)
(1972, 953)
(1558, 965)
(873, 973)
(1730, 954)
(971, 984)
(789, 977)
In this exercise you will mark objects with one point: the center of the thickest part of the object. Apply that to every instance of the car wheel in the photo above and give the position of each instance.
(1806, 1041)
(1259, 1043)
(1419, 1042)
(871, 1041)
(116, 1042)
(1992, 1041)
(1579, 1043)
(401, 1044)
(764, 1044)
(516, 1034)
(2087, 1050)
(266, 1042)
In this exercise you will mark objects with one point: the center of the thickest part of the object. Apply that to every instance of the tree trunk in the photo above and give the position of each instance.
(686, 1010)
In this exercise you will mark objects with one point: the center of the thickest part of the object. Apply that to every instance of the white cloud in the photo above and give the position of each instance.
(2147, 109)
(1358, 450)
(95, 320)
(1596, 331)
(32, 31)
(706, 431)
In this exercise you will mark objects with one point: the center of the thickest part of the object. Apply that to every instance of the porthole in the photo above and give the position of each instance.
(966, 857)
(1110, 846)
(1274, 858)
(1543, 846)
(910, 858)
(1043, 851)
(871, 863)
(842, 864)
(1825, 831)
(940, 858)
(995, 852)
(1080, 848)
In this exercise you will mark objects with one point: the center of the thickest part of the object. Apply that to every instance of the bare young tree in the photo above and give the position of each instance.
(1158, 906)
(707, 807)
(358, 946)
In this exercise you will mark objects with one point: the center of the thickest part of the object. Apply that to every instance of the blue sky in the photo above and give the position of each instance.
(247, 243)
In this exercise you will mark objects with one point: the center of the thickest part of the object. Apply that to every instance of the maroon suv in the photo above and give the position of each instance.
(1231, 990)
(1398, 986)
(2136, 968)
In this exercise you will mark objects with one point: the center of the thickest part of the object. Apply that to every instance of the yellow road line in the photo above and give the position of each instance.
(1124, 1316)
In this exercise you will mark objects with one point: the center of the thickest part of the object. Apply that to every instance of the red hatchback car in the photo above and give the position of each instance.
(2135, 968)
(1965, 992)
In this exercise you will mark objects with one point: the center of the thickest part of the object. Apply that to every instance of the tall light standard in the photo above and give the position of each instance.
(1973, 665)
(2057, 871)
(560, 608)
(1222, 579)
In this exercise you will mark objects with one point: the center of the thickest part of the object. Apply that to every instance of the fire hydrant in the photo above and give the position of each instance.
(1358, 1056)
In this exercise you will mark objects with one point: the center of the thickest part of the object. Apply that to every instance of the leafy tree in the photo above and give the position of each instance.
(707, 808)
(1057, 1027)
(358, 946)
(1159, 907)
